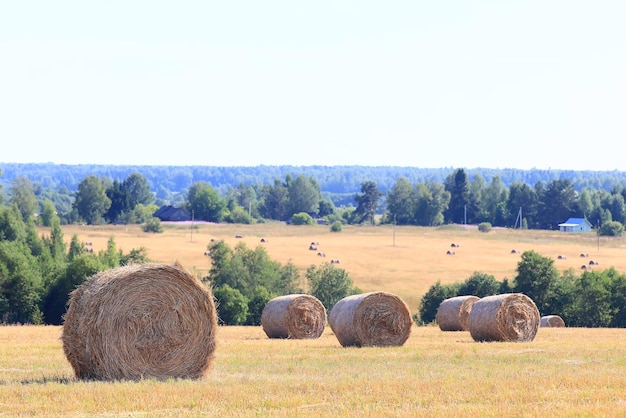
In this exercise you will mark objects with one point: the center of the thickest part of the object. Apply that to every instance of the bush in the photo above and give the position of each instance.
(302, 218)
(484, 227)
(611, 229)
(231, 306)
(153, 225)
(336, 227)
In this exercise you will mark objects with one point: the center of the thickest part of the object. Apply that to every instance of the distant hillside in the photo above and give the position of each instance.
(333, 180)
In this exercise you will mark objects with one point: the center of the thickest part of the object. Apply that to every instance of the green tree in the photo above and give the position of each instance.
(592, 302)
(137, 190)
(304, 195)
(302, 218)
(48, 213)
(329, 284)
(21, 284)
(522, 199)
(205, 202)
(76, 249)
(458, 187)
(119, 202)
(431, 300)
(245, 269)
(256, 304)
(493, 202)
(402, 203)
(275, 201)
(91, 201)
(153, 225)
(75, 273)
(231, 305)
(480, 284)
(432, 202)
(612, 229)
(23, 196)
(558, 203)
(12, 228)
(537, 278)
(111, 256)
(368, 201)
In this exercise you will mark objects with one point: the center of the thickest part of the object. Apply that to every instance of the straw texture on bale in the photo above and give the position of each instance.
(552, 321)
(294, 316)
(371, 319)
(453, 313)
(142, 321)
(511, 317)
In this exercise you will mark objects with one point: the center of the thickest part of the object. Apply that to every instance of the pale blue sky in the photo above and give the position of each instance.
(495, 84)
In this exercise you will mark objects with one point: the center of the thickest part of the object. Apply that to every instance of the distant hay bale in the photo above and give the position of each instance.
(371, 319)
(505, 317)
(294, 316)
(140, 321)
(550, 321)
(453, 313)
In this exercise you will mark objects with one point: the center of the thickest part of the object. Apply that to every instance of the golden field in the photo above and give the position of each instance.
(563, 372)
(402, 260)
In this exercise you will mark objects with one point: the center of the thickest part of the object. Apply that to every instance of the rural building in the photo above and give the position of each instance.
(575, 225)
(170, 213)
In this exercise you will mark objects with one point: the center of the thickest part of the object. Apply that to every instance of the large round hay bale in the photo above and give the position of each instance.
(150, 320)
(505, 317)
(548, 321)
(453, 313)
(371, 319)
(294, 316)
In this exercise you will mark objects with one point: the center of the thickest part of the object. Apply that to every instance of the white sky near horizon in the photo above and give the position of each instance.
(473, 84)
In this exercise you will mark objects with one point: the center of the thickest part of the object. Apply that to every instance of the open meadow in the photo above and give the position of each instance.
(563, 372)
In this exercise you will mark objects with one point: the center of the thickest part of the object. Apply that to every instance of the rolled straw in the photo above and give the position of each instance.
(150, 320)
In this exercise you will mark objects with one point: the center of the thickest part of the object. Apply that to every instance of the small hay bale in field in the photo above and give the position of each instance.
(510, 317)
(141, 321)
(453, 313)
(550, 321)
(294, 316)
(371, 319)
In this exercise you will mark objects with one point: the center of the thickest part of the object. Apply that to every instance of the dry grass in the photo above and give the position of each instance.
(563, 372)
(406, 262)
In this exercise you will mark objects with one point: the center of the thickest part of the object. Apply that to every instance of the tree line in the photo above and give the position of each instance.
(594, 299)
(300, 198)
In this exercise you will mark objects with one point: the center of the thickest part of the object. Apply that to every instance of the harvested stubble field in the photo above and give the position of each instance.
(563, 372)
(402, 260)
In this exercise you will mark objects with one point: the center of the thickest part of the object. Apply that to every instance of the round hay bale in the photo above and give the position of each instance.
(371, 319)
(453, 313)
(150, 320)
(550, 321)
(294, 316)
(506, 317)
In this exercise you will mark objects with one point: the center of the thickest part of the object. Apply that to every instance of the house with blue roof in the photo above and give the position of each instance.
(576, 225)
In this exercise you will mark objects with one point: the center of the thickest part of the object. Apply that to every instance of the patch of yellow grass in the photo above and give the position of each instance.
(563, 372)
